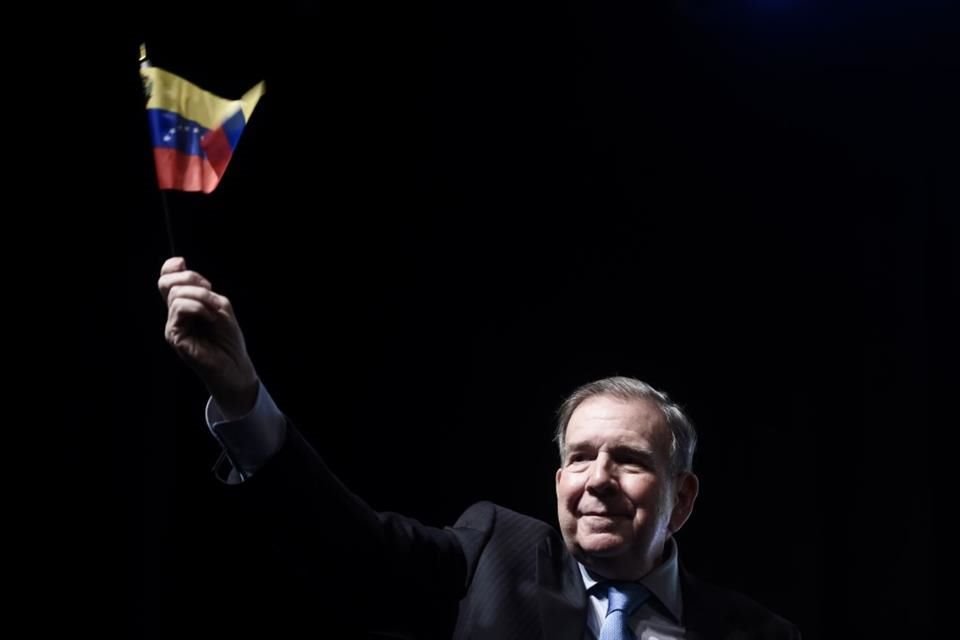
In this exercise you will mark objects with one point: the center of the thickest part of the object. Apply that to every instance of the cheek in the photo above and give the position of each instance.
(569, 491)
(643, 493)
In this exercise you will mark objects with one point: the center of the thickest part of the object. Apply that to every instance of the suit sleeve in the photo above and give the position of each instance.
(328, 549)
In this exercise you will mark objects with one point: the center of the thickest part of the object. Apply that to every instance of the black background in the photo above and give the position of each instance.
(443, 218)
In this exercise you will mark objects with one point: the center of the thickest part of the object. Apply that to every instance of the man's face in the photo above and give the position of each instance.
(616, 499)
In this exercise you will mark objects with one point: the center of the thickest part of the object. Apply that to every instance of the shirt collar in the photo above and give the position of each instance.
(663, 581)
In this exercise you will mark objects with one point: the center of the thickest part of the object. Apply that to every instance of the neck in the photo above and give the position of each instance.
(619, 568)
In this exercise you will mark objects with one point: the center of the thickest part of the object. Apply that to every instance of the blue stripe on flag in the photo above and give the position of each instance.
(172, 131)
(233, 127)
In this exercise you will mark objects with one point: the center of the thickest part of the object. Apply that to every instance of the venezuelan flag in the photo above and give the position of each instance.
(194, 132)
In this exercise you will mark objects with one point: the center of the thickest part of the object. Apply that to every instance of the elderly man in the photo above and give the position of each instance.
(625, 485)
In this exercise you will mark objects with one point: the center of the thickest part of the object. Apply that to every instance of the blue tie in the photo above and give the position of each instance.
(623, 598)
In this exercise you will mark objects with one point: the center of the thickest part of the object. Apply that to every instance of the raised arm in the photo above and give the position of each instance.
(317, 532)
(203, 330)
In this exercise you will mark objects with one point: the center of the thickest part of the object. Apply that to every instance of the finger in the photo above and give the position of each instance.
(183, 311)
(215, 302)
(180, 278)
(174, 264)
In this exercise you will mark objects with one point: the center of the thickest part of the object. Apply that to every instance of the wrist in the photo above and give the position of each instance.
(236, 402)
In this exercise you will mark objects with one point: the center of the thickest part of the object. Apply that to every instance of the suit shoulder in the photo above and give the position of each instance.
(485, 525)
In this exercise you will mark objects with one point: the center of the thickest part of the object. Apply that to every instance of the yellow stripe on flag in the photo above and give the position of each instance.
(171, 92)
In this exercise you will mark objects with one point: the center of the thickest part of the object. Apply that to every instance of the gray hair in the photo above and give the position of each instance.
(684, 435)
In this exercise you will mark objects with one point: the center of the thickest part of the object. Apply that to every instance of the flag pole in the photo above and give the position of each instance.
(166, 216)
(163, 194)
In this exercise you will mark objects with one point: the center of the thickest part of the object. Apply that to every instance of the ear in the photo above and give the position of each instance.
(686, 487)
(557, 480)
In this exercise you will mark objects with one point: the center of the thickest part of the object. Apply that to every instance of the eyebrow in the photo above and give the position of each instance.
(646, 455)
(618, 451)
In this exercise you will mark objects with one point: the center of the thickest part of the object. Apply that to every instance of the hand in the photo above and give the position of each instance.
(203, 330)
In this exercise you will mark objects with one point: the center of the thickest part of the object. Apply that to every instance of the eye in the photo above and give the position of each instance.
(577, 459)
(634, 462)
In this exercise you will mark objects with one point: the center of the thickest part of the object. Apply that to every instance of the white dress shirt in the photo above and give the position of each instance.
(248, 441)
(659, 618)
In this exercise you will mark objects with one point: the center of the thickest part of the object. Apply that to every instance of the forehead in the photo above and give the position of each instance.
(608, 416)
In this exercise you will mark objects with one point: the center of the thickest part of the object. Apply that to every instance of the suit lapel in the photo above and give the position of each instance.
(561, 597)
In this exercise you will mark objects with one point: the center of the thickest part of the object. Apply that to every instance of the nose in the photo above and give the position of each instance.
(602, 478)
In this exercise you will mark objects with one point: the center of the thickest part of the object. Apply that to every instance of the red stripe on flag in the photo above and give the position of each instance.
(218, 149)
(184, 172)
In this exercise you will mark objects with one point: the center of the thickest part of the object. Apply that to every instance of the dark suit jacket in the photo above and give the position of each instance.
(494, 574)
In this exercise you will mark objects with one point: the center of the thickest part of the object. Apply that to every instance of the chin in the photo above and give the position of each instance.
(602, 544)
